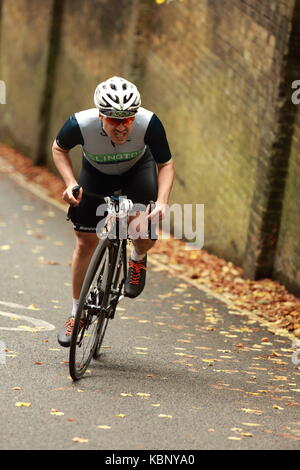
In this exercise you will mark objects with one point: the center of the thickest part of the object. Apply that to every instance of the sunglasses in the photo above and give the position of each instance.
(117, 121)
(114, 113)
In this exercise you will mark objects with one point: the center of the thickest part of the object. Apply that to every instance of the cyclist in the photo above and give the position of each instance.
(124, 148)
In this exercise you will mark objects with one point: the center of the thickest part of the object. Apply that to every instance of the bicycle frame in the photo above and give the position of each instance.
(102, 288)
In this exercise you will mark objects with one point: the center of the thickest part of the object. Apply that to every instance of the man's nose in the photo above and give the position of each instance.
(121, 127)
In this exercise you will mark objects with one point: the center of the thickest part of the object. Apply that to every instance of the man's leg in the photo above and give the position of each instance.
(138, 231)
(85, 246)
(141, 187)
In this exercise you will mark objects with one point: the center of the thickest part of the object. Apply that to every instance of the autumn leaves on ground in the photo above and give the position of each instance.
(269, 300)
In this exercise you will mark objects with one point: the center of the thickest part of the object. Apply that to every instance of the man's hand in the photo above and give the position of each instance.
(68, 195)
(158, 212)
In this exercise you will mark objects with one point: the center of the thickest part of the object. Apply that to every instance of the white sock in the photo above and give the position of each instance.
(136, 257)
(74, 308)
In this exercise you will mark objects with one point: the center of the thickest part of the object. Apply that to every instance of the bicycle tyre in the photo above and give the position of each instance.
(86, 320)
(113, 290)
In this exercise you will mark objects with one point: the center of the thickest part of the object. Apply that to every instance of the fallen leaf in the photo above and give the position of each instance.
(33, 307)
(249, 410)
(277, 407)
(56, 412)
(165, 416)
(143, 395)
(5, 247)
(103, 426)
(22, 403)
(80, 440)
(251, 424)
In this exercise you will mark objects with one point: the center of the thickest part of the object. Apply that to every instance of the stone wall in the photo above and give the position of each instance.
(97, 40)
(25, 29)
(287, 258)
(218, 64)
(287, 262)
(217, 72)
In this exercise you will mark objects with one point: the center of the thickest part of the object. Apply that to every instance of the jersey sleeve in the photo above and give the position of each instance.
(156, 140)
(70, 134)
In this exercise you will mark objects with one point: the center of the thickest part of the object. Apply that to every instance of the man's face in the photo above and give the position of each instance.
(118, 130)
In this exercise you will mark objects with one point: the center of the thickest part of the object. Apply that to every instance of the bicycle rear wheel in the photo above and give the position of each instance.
(90, 317)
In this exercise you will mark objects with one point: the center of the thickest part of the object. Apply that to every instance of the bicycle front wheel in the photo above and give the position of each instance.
(90, 316)
(112, 287)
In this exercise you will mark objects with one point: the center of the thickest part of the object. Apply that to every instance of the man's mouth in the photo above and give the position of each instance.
(120, 135)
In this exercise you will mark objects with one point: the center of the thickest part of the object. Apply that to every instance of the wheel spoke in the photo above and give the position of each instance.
(98, 300)
(85, 333)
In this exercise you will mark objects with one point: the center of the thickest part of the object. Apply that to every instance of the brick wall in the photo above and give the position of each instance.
(287, 258)
(287, 262)
(217, 72)
(212, 74)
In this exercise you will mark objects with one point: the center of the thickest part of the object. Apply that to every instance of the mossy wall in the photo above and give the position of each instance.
(214, 71)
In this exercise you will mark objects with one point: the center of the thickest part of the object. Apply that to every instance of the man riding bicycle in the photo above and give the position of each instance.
(124, 148)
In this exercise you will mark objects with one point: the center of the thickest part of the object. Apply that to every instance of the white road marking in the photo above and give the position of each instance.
(12, 305)
(38, 325)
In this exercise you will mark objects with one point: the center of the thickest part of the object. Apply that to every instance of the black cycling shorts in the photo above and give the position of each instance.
(138, 184)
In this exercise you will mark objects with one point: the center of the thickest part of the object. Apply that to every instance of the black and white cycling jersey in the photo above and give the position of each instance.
(84, 128)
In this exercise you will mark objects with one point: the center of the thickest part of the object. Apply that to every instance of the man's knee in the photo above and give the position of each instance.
(85, 243)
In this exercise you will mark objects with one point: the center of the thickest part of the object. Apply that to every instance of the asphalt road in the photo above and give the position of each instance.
(180, 371)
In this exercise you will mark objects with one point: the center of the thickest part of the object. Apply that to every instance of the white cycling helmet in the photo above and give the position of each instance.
(116, 97)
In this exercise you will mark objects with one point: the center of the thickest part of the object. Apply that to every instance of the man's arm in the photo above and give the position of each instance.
(68, 137)
(64, 166)
(156, 139)
(165, 180)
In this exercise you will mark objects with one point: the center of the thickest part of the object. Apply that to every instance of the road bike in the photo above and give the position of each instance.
(103, 285)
